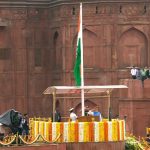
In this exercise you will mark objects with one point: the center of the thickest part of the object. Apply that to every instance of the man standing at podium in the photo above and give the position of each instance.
(73, 116)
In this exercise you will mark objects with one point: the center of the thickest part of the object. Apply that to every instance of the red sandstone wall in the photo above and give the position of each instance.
(25, 74)
(73, 146)
(37, 147)
(136, 106)
(37, 46)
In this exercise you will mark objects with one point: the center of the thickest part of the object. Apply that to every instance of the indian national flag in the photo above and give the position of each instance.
(77, 66)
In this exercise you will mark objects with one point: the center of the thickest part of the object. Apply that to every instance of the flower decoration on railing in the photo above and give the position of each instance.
(26, 139)
(7, 140)
(39, 138)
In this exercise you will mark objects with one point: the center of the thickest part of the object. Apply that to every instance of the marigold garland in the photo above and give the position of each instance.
(37, 137)
(4, 143)
(25, 142)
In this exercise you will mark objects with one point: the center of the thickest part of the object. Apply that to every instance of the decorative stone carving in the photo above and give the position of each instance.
(33, 13)
(19, 13)
(133, 9)
(107, 9)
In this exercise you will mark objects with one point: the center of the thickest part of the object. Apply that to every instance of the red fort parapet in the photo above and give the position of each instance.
(134, 104)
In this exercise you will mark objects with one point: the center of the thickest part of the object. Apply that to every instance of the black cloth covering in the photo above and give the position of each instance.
(10, 118)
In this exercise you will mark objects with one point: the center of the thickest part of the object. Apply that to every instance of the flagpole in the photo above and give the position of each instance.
(82, 67)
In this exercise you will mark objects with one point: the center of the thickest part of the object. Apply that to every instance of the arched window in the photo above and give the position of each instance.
(57, 53)
(132, 49)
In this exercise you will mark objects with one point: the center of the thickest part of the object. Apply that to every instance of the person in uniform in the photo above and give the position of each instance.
(25, 124)
(73, 116)
(133, 72)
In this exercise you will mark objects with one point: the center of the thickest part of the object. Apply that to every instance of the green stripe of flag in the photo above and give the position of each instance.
(77, 70)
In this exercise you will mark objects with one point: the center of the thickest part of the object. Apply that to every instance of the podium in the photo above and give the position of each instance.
(88, 118)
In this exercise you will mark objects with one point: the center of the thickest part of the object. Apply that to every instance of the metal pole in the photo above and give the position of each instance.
(109, 107)
(82, 66)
